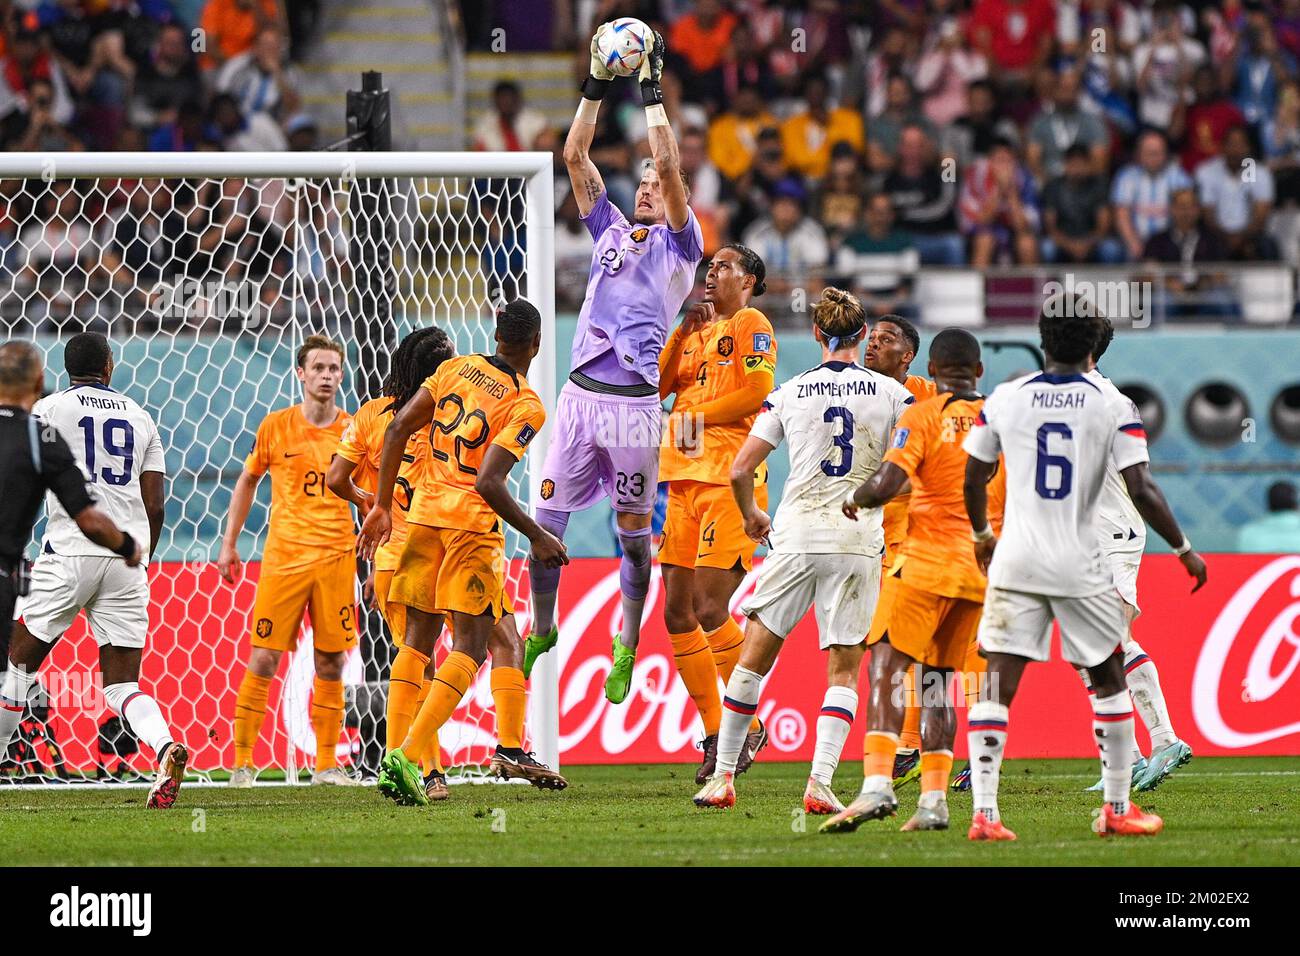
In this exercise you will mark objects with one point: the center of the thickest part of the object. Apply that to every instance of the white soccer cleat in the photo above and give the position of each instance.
(241, 778)
(819, 799)
(718, 793)
(874, 805)
(334, 777)
(933, 816)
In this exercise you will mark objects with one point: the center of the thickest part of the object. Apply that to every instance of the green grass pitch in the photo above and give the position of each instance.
(1217, 812)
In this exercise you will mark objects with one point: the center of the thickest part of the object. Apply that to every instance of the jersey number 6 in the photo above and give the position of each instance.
(1046, 461)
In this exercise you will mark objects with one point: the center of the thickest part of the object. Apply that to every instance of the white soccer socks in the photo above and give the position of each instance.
(839, 707)
(987, 739)
(141, 713)
(1144, 683)
(14, 689)
(1112, 727)
(739, 705)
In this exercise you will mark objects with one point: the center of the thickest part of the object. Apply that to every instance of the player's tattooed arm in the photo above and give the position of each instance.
(491, 486)
(975, 490)
(752, 454)
(888, 481)
(1154, 509)
(378, 523)
(154, 495)
(583, 174)
(668, 164)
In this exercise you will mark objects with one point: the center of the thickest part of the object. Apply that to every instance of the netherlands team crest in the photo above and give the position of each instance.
(639, 234)
(263, 627)
(726, 345)
(548, 489)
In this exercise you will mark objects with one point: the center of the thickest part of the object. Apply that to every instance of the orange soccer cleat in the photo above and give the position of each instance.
(1133, 823)
(982, 828)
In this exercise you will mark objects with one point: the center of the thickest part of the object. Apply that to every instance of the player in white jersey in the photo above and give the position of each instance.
(118, 447)
(1058, 431)
(1123, 536)
(836, 420)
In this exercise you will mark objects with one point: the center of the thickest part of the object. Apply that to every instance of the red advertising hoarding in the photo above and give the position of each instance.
(1228, 658)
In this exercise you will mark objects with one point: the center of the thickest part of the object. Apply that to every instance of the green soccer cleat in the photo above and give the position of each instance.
(1139, 768)
(907, 768)
(535, 647)
(619, 681)
(400, 781)
(1163, 762)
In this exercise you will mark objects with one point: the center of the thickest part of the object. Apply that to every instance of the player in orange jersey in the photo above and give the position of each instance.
(481, 414)
(721, 364)
(892, 346)
(937, 590)
(307, 562)
(417, 357)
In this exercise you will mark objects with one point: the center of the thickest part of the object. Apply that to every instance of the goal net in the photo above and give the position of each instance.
(206, 271)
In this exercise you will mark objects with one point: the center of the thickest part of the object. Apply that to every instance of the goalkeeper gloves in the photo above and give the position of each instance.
(652, 71)
(595, 85)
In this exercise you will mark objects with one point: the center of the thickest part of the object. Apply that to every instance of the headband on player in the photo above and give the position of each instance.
(833, 343)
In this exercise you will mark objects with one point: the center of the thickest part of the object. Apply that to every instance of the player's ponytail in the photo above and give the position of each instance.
(840, 318)
(416, 358)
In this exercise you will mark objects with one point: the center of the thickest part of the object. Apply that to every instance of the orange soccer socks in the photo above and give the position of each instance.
(326, 721)
(694, 658)
(404, 684)
(510, 700)
(450, 684)
(250, 711)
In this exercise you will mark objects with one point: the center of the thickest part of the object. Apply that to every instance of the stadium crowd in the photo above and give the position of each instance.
(862, 140)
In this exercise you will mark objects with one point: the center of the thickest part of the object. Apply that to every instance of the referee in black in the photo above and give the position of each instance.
(34, 459)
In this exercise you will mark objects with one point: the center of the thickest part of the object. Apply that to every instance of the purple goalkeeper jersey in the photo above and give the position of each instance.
(640, 276)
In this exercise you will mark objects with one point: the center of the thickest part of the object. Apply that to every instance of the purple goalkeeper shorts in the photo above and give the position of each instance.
(602, 446)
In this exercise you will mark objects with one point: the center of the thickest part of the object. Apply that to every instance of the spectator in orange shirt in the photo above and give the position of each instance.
(231, 26)
(733, 136)
(807, 137)
(702, 38)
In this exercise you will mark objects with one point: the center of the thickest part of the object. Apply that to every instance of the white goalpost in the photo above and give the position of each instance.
(206, 270)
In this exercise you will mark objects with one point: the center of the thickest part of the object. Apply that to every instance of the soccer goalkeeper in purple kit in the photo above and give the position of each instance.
(607, 423)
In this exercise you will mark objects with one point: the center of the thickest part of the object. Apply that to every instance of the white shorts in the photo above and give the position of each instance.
(115, 598)
(1016, 622)
(842, 588)
(1124, 571)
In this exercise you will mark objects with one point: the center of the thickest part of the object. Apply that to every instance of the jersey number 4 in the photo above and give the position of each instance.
(119, 441)
(1047, 461)
(843, 441)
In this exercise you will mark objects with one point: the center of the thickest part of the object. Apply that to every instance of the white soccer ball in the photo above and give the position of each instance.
(625, 45)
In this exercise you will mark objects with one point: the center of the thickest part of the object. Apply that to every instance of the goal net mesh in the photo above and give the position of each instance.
(205, 287)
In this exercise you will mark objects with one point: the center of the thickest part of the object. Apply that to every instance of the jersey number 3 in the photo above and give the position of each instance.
(1048, 461)
(843, 441)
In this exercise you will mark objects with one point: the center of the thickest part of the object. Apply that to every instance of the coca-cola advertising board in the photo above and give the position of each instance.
(1228, 658)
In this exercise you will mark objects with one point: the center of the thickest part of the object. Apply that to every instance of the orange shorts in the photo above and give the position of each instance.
(704, 529)
(938, 631)
(395, 614)
(327, 589)
(447, 569)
